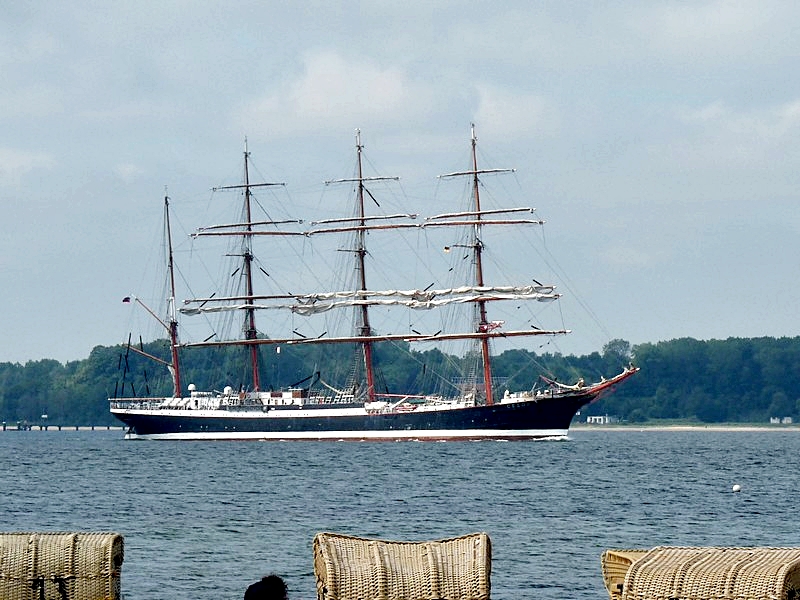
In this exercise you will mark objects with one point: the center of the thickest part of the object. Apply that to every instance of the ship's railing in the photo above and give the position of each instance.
(137, 403)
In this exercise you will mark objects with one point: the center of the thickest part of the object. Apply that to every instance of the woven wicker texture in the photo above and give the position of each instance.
(615, 565)
(60, 566)
(707, 573)
(352, 568)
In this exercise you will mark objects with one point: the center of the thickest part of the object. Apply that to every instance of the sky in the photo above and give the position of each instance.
(660, 140)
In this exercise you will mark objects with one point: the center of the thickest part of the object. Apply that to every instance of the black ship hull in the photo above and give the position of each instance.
(546, 417)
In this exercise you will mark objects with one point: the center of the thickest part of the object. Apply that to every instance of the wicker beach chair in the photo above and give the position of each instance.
(703, 573)
(60, 566)
(352, 568)
(615, 565)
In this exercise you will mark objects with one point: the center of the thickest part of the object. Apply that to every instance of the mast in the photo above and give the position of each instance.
(360, 298)
(483, 323)
(171, 323)
(173, 317)
(250, 332)
(364, 330)
(361, 251)
(484, 327)
(249, 326)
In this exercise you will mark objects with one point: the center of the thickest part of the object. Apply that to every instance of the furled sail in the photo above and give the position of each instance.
(310, 304)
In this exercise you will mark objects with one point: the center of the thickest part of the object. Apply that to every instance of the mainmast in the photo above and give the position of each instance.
(360, 250)
(483, 323)
(173, 317)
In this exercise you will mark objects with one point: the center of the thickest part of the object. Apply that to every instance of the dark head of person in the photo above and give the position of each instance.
(270, 587)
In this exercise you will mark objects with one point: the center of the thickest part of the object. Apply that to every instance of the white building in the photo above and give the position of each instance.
(601, 420)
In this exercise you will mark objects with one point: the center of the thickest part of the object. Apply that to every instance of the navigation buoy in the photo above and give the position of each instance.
(736, 488)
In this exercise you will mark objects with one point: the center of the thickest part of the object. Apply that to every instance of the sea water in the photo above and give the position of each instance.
(202, 520)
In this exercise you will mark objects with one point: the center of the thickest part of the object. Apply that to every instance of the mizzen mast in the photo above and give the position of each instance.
(171, 322)
(173, 317)
(250, 331)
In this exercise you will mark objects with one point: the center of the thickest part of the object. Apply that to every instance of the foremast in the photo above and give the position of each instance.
(483, 326)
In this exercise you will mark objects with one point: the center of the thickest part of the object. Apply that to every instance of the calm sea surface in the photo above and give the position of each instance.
(203, 520)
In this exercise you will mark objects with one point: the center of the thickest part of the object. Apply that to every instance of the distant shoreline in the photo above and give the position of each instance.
(37, 427)
(576, 427)
(712, 427)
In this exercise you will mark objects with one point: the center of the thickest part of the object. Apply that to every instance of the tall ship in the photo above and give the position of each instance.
(476, 405)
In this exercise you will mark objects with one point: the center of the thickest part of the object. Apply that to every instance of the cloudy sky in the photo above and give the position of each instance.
(659, 139)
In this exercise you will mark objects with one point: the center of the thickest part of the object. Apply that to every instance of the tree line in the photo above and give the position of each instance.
(744, 380)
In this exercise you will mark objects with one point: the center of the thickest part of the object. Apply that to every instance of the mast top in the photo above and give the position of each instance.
(247, 185)
(474, 171)
(360, 178)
